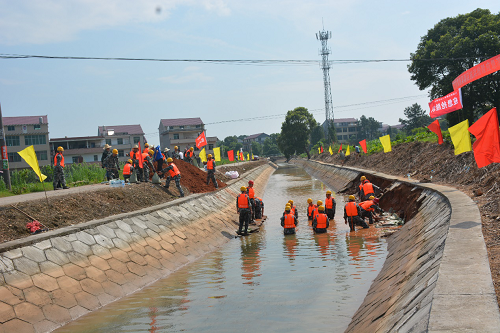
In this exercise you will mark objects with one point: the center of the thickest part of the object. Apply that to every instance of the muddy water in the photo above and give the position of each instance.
(260, 283)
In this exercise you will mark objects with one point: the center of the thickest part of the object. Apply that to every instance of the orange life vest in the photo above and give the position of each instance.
(174, 172)
(329, 202)
(126, 169)
(144, 156)
(367, 205)
(251, 192)
(134, 155)
(310, 209)
(368, 188)
(289, 221)
(146, 150)
(321, 220)
(243, 200)
(351, 209)
(189, 153)
(62, 159)
(210, 164)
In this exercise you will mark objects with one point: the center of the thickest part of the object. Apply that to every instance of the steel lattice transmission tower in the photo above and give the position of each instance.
(323, 36)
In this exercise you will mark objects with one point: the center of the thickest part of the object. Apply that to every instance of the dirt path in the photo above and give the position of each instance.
(437, 163)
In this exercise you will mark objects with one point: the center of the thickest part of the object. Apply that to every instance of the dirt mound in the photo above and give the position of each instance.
(195, 179)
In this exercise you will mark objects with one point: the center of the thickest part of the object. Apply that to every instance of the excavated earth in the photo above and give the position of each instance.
(430, 162)
(76, 208)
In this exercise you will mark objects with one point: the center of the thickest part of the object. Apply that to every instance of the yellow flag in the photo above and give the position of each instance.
(386, 143)
(460, 137)
(348, 152)
(248, 157)
(29, 155)
(217, 154)
(330, 150)
(252, 157)
(203, 155)
(319, 150)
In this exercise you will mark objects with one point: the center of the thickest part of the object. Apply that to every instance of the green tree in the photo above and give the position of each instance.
(295, 132)
(231, 143)
(270, 146)
(417, 117)
(457, 44)
(317, 134)
(368, 128)
(256, 148)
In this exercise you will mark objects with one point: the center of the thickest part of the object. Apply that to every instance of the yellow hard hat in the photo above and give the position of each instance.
(115, 151)
(176, 147)
(321, 208)
(352, 198)
(309, 200)
(243, 189)
(151, 152)
(209, 156)
(371, 197)
(169, 160)
(287, 208)
(362, 178)
(319, 203)
(60, 148)
(130, 161)
(191, 148)
(146, 145)
(291, 202)
(328, 192)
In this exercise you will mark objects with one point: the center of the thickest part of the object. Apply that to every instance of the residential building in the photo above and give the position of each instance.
(259, 138)
(89, 149)
(384, 128)
(182, 132)
(22, 132)
(345, 128)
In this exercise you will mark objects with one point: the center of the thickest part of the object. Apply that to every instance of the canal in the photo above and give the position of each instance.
(260, 283)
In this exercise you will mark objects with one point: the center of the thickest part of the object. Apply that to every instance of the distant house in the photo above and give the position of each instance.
(345, 127)
(22, 132)
(89, 149)
(259, 138)
(385, 128)
(182, 132)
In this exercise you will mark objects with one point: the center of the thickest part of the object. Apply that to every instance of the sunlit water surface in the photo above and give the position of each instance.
(265, 282)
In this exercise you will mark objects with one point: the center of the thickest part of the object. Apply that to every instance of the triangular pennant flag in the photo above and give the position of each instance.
(252, 157)
(248, 157)
(348, 151)
(386, 143)
(203, 155)
(241, 156)
(460, 137)
(434, 127)
(217, 154)
(330, 150)
(230, 155)
(487, 145)
(319, 150)
(362, 143)
(29, 155)
(340, 149)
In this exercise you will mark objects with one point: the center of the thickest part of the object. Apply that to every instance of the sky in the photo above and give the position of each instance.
(231, 99)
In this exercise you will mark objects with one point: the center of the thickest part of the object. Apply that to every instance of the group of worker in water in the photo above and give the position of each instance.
(249, 207)
(320, 214)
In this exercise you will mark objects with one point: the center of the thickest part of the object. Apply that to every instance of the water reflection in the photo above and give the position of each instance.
(260, 283)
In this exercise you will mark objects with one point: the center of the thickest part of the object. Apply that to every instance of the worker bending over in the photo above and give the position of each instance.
(369, 207)
(173, 173)
(352, 214)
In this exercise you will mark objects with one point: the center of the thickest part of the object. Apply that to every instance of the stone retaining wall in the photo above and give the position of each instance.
(436, 277)
(50, 279)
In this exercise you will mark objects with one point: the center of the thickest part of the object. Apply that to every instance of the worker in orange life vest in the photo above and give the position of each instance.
(251, 196)
(310, 209)
(288, 221)
(59, 181)
(369, 207)
(330, 205)
(173, 173)
(352, 214)
(189, 155)
(315, 211)
(360, 191)
(135, 155)
(127, 170)
(211, 171)
(244, 208)
(293, 209)
(259, 207)
(320, 222)
(369, 190)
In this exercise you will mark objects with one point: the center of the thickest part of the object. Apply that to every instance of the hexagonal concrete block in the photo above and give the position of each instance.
(7, 296)
(92, 287)
(63, 298)
(138, 249)
(69, 284)
(51, 269)
(136, 269)
(81, 248)
(34, 253)
(6, 312)
(124, 226)
(13, 254)
(115, 277)
(56, 256)
(104, 241)
(123, 235)
(43, 245)
(99, 263)
(85, 238)
(101, 251)
(56, 313)
(74, 271)
(86, 300)
(153, 252)
(18, 280)
(105, 299)
(106, 231)
(16, 325)
(122, 245)
(61, 244)
(139, 231)
(112, 288)
(120, 255)
(45, 282)
(153, 262)
(154, 243)
(138, 222)
(36, 296)
(45, 326)
(77, 312)
(26, 265)
(117, 265)
(153, 234)
(28, 312)
(95, 274)
(137, 258)
(78, 259)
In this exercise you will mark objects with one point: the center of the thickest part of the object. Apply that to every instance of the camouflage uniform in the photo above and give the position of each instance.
(145, 168)
(105, 154)
(112, 167)
(135, 164)
(177, 179)
(176, 155)
(59, 180)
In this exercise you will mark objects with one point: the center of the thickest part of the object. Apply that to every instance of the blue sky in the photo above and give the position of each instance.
(79, 95)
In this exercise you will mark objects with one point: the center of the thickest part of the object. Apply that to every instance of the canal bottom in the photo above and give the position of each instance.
(265, 282)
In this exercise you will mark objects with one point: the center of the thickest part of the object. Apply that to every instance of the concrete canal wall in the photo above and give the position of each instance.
(50, 279)
(436, 277)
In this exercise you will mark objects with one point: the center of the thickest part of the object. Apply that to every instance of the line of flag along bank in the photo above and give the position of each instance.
(486, 129)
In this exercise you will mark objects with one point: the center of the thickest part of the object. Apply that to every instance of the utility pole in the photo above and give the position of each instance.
(323, 36)
(5, 156)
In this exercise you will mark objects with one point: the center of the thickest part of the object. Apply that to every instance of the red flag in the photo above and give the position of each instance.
(446, 104)
(480, 70)
(241, 156)
(141, 159)
(201, 140)
(434, 127)
(322, 149)
(230, 155)
(340, 149)
(487, 145)
(363, 145)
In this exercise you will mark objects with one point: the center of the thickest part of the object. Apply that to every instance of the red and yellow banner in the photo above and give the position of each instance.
(446, 104)
(480, 70)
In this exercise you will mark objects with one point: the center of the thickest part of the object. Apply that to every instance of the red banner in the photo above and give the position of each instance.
(480, 70)
(230, 155)
(443, 105)
(5, 156)
(201, 140)
(362, 143)
(141, 159)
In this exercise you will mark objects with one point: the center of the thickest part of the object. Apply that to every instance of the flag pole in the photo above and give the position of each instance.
(43, 184)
